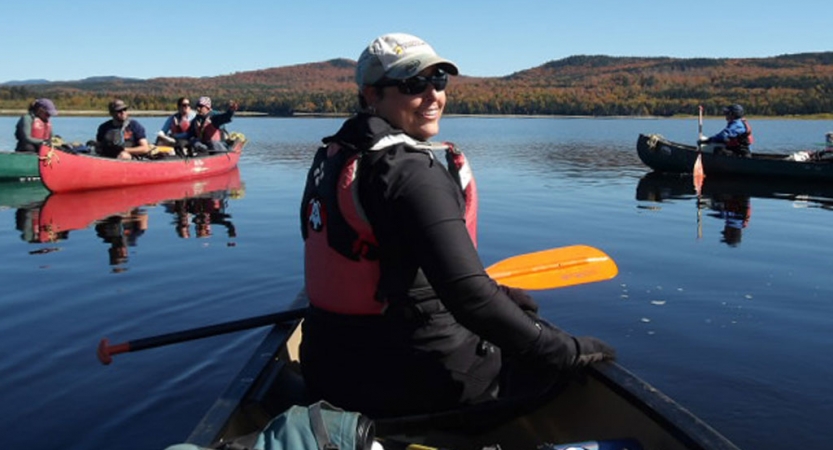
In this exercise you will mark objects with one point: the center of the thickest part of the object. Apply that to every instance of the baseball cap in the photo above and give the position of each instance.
(204, 101)
(117, 105)
(398, 56)
(47, 104)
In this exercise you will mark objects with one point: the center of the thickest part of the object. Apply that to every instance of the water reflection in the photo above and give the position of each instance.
(122, 231)
(201, 212)
(735, 210)
(730, 199)
(26, 197)
(120, 216)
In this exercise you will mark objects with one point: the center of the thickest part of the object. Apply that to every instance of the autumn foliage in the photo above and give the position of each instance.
(796, 84)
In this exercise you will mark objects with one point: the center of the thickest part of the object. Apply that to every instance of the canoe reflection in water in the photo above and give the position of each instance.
(730, 198)
(202, 213)
(120, 215)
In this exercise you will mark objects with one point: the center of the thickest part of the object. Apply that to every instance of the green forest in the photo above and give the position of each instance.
(786, 85)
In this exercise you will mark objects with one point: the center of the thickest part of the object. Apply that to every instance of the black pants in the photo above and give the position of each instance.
(383, 367)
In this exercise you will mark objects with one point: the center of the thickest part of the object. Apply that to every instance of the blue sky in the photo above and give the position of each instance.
(75, 39)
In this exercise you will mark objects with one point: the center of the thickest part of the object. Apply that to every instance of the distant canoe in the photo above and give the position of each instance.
(66, 172)
(663, 155)
(77, 210)
(18, 165)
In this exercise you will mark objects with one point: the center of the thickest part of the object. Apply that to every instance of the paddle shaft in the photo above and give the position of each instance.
(700, 122)
(547, 269)
(105, 351)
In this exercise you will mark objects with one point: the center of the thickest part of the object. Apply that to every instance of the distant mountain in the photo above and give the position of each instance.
(578, 85)
(24, 82)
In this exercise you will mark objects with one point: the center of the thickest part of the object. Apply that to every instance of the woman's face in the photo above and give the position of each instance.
(418, 115)
(42, 114)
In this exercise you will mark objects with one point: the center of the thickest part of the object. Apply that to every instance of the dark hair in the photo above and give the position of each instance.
(180, 100)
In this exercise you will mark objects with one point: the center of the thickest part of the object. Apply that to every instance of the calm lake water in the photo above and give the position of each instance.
(725, 307)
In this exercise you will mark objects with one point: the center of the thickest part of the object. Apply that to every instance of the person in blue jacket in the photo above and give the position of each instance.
(736, 137)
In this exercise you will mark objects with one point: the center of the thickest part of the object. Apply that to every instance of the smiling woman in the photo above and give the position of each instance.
(374, 199)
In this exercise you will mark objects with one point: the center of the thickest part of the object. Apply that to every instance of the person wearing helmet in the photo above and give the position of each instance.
(736, 137)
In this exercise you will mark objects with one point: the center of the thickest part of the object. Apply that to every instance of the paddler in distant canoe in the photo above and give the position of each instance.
(121, 137)
(736, 137)
(34, 128)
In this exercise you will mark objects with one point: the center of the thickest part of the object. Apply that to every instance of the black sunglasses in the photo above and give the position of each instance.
(417, 84)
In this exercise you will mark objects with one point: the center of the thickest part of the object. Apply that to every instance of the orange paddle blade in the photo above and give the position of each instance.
(554, 268)
(698, 174)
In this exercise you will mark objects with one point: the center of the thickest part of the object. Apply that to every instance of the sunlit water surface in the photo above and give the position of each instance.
(735, 326)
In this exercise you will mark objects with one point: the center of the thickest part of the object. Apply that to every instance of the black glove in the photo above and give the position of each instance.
(591, 350)
(520, 297)
(557, 349)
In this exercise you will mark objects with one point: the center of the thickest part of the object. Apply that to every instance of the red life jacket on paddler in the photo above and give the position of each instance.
(40, 129)
(341, 261)
(742, 140)
(179, 124)
(205, 131)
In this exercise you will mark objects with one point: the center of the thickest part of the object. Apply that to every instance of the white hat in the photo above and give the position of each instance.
(397, 56)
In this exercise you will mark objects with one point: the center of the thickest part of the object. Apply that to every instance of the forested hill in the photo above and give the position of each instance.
(797, 84)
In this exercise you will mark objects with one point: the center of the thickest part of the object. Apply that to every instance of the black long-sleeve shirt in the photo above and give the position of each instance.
(432, 348)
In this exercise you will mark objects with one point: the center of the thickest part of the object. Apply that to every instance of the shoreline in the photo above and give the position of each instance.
(159, 113)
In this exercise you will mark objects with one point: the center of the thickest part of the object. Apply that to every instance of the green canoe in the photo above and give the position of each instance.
(18, 166)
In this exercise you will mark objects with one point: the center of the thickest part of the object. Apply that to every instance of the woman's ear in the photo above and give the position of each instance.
(371, 95)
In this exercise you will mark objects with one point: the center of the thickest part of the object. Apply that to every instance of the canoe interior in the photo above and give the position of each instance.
(607, 402)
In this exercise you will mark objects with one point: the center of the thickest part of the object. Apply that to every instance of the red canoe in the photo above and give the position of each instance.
(66, 172)
(77, 210)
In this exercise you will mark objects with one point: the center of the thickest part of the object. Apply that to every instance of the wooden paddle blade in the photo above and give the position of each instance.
(554, 268)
